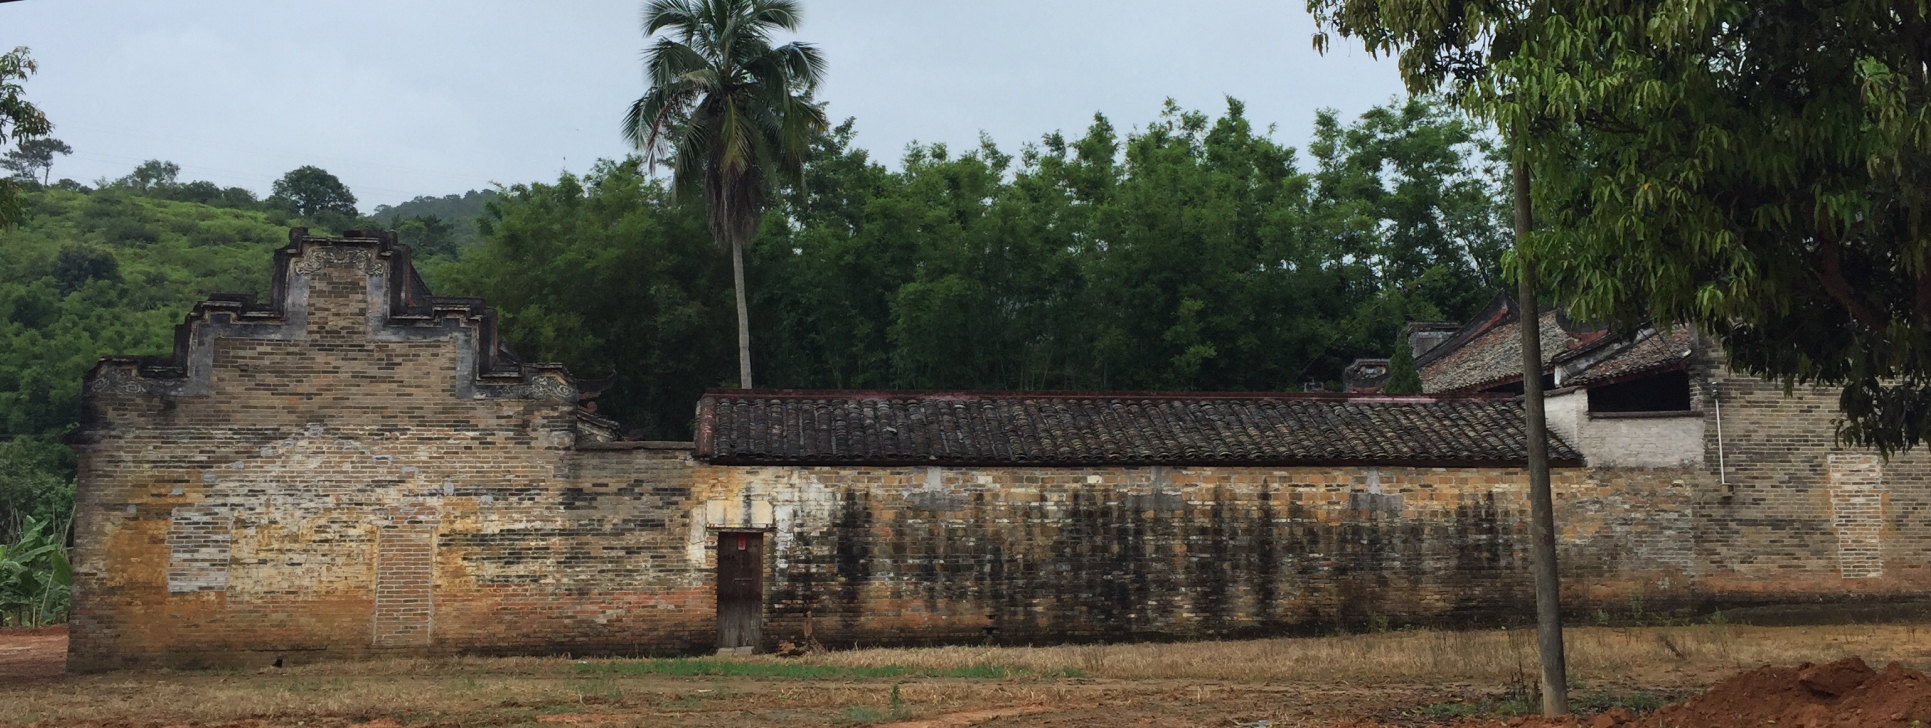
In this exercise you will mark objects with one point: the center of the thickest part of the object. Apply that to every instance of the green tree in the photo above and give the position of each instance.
(429, 236)
(78, 264)
(734, 111)
(1466, 49)
(310, 191)
(18, 120)
(34, 158)
(1403, 377)
(1759, 169)
(36, 481)
(458, 211)
(603, 273)
(153, 177)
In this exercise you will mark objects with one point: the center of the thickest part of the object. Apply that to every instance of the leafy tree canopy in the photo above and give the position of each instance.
(732, 113)
(33, 159)
(459, 212)
(18, 120)
(1403, 377)
(312, 192)
(1759, 169)
(1193, 254)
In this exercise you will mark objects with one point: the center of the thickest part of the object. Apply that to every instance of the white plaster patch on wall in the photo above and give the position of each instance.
(1857, 514)
(199, 541)
(694, 542)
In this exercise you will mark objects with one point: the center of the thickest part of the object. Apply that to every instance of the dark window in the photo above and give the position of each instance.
(1666, 392)
(1515, 387)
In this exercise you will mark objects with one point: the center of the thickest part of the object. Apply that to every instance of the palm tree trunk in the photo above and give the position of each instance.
(1542, 549)
(744, 315)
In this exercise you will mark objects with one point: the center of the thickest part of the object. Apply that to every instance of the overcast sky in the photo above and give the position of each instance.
(429, 98)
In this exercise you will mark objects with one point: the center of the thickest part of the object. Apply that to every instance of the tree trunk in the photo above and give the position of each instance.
(744, 315)
(1548, 594)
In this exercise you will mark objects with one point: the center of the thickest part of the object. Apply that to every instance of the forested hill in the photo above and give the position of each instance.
(1193, 254)
(458, 212)
(89, 274)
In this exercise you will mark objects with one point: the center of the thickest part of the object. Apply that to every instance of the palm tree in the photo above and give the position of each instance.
(729, 111)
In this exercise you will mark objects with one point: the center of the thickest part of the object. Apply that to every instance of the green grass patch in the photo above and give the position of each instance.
(860, 714)
(1597, 702)
(714, 667)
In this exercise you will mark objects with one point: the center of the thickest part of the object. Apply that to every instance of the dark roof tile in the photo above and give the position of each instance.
(1022, 428)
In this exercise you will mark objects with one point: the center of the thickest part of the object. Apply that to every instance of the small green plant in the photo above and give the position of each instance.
(1718, 618)
(1454, 709)
(602, 690)
(35, 576)
(862, 714)
(1597, 702)
(897, 703)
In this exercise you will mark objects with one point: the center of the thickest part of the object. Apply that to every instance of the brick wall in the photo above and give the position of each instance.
(911, 555)
(1787, 515)
(333, 479)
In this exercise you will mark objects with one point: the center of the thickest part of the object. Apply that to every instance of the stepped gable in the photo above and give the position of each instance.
(751, 427)
(406, 311)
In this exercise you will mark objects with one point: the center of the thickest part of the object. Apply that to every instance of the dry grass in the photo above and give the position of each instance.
(1327, 674)
(1635, 655)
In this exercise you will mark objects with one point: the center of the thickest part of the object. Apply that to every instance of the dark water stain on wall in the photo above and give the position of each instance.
(852, 556)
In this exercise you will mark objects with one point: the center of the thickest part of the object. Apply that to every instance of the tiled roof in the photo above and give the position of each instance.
(1491, 357)
(1487, 352)
(969, 428)
(1660, 351)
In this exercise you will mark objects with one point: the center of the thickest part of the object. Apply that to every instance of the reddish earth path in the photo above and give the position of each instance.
(32, 654)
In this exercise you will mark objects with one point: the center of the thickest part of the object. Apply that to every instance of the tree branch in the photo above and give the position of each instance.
(1830, 259)
(1921, 310)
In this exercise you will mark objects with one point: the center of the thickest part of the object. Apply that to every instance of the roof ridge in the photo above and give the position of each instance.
(980, 395)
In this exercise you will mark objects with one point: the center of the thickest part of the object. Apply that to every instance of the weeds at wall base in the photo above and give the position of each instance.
(714, 667)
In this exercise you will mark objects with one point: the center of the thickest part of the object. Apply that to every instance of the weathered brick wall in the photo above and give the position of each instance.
(1802, 518)
(908, 555)
(337, 480)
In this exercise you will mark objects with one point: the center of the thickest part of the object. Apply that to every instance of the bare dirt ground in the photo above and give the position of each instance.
(32, 654)
(1398, 679)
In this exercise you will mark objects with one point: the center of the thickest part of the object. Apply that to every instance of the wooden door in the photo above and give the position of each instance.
(740, 590)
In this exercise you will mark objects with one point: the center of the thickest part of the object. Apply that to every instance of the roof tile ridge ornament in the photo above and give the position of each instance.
(410, 312)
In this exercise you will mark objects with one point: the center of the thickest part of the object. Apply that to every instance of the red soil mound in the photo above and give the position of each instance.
(1842, 694)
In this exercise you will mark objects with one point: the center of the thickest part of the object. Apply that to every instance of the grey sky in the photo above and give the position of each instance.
(405, 99)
